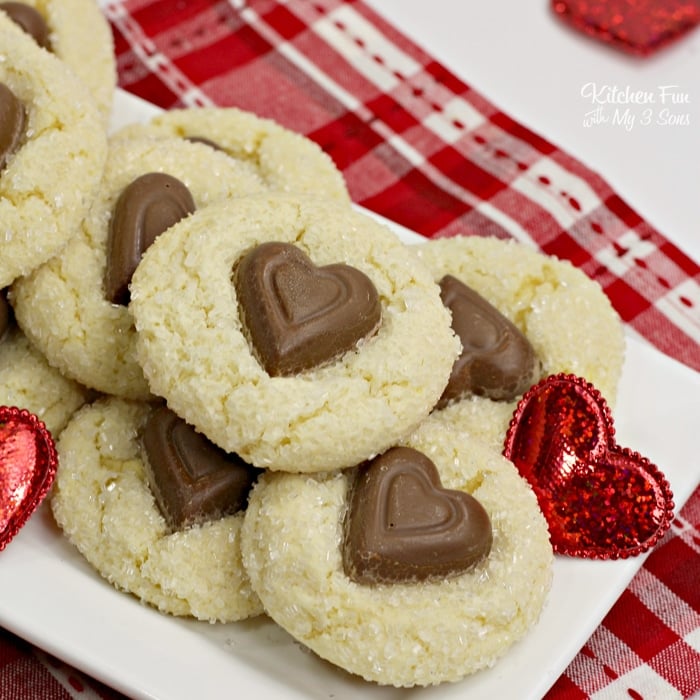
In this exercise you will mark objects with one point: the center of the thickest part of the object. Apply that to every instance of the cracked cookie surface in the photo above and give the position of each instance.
(48, 182)
(565, 315)
(195, 353)
(285, 160)
(411, 633)
(28, 381)
(80, 36)
(62, 306)
(102, 502)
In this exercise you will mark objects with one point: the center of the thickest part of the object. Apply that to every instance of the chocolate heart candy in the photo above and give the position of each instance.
(13, 118)
(29, 19)
(600, 500)
(402, 525)
(298, 315)
(192, 480)
(151, 204)
(27, 468)
(497, 361)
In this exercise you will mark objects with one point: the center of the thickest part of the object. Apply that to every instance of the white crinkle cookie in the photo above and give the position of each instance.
(28, 381)
(194, 351)
(79, 34)
(103, 503)
(49, 181)
(401, 634)
(62, 305)
(564, 314)
(285, 160)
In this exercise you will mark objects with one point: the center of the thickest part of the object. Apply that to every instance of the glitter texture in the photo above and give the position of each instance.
(636, 26)
(600, 500)
(27, 468)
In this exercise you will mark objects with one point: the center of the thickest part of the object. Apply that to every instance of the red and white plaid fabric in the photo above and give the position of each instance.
(648, 646)
(414, 141)
(419, 146)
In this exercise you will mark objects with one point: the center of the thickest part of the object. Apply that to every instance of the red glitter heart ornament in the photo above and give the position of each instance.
(636, 26)
(600, 500)
(27, 468)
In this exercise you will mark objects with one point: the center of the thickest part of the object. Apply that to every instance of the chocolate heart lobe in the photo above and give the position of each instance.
(149, 205)
(497, 361)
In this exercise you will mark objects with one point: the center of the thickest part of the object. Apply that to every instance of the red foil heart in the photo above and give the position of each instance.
(27, 468)
(636, 26)
(600, 500)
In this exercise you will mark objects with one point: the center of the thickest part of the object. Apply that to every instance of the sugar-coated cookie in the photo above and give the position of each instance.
(28, 381)
(63, 307)
(78, 33)
(565, 316)
(195, 350)
(409, 633)
(285, 160)
(102, 501)
(54, 148)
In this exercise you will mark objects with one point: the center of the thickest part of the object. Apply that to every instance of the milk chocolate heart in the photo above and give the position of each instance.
(600, 500)
(640, 27)
(192, 480)
(27, 468)
(497, 361)
(149, 205)
(402, 525)
(298, 315)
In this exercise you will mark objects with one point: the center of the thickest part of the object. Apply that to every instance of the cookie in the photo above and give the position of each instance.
(77, 33)
(102, 501)
(63, 306)
(54, 148)
(565, 316)
(286, 161)
(416, 631)
(196, 352)
(27, 381)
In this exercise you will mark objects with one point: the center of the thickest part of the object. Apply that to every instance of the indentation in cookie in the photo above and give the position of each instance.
(297, 315)
(192, 480)
(497, 361)
(13, 119)
(402, 525)
(151, 204)
(206, 141)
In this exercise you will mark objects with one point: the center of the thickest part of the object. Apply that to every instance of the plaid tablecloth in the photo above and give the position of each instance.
(419, 146)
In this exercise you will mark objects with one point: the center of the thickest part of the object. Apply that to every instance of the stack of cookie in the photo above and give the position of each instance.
(287, 410)
(57, 79)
